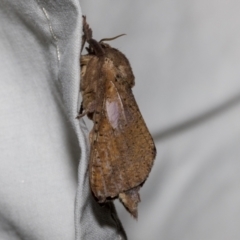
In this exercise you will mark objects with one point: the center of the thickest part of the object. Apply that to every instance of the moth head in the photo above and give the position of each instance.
(97, 48)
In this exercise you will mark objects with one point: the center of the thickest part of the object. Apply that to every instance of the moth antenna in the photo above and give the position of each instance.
(87, 32)
(86, 29)
(110, 39)
(88, 37)
(83, 42)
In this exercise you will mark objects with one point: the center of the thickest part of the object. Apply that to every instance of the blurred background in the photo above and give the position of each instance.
(185, 56)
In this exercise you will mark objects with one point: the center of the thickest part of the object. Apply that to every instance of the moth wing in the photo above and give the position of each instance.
(122, 149)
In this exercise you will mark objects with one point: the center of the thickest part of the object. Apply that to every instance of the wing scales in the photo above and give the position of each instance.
(123, 153)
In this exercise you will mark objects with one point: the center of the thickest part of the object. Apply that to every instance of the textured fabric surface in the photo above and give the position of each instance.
(185, 57)
(44, 191)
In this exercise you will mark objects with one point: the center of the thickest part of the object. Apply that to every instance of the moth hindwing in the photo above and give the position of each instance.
(122, 149)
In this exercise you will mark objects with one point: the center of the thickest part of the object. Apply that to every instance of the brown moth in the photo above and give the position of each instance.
(122, 149)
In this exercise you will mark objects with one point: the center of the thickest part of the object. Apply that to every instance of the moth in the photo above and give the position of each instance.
(122, 150)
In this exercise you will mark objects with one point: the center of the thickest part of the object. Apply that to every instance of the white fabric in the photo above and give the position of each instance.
(41, 142)
(185, 57)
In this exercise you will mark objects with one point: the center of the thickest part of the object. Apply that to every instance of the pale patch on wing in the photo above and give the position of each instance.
(112, 113)
(114, 107)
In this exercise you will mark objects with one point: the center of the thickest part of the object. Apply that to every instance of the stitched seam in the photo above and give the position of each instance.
(54, 37)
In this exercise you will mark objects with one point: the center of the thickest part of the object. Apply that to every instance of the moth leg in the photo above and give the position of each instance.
(82, 114)
(90, 109)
